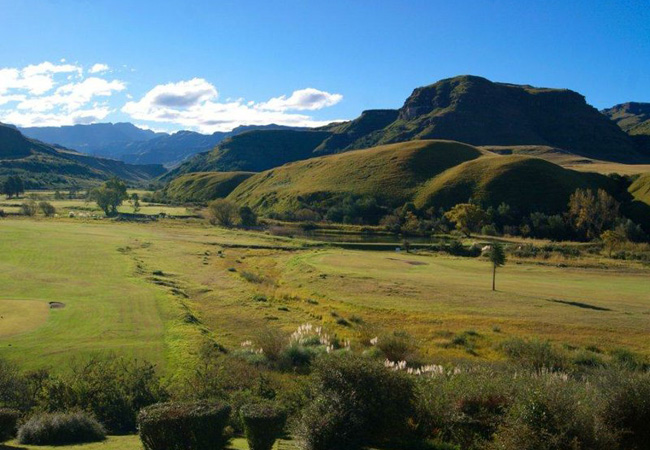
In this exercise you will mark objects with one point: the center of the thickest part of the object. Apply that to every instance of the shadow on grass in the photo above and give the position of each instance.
(580, 305)
(11, 447)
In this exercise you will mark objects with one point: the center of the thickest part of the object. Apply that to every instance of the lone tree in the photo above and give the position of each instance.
(247, 217)
(110, 196)
(223, 212)
(134, 200)
(497, 256)
(13, 186)
(467, 216)
(612, 239)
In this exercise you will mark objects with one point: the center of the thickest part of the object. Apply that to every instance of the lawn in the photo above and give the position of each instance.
(158, 290)
(127, 443)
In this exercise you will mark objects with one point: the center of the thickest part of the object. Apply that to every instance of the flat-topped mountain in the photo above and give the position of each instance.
(466, 109)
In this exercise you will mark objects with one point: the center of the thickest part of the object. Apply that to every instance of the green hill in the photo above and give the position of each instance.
(254, 151)
(45, 166)
(632, 117)
(357, 133)
(526, 184)
(391, 174)
(640, 188)
(203, 186)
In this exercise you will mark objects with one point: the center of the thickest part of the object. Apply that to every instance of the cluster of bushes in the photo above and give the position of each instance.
(384, 396)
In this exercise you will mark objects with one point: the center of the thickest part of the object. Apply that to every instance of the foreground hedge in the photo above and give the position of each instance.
(184, 426)
(263, 424)
(61, 429)
(8, 420)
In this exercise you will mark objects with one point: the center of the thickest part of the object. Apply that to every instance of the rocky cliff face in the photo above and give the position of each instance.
(477, 111)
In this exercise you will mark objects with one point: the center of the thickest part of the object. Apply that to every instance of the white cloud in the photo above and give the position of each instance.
(192, 104)
(35, 99)
(305, 99)
(98, 68)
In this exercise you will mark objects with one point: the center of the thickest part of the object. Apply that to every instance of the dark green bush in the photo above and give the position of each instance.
(113, 389)
(8, 421)
(356, 402)
(534, 354)
(263, 424)
(184, 426)
(627, 409)
(556, 414)
(61, 429)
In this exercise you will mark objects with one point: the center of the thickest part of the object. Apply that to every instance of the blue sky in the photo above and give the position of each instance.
(212, 65)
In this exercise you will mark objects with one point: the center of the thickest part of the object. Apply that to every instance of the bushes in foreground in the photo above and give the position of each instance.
(8, 421)
(61, 429)
(184, 426)
(263, 424)
(356, 402)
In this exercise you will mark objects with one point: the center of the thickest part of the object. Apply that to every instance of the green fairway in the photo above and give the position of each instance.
(158, 290)
(104, 304)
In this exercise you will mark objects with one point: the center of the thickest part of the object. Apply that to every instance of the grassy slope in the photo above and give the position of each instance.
(391, 173)
(527, 184)
(640, 189)
(254, 151)
(112, 305)
(204, 186)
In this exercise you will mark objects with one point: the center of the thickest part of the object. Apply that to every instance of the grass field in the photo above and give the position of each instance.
(127, 443)
(138, 288)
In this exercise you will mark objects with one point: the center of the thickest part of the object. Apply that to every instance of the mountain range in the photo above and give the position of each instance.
(46, 166)
(129, 143)
(466, 109)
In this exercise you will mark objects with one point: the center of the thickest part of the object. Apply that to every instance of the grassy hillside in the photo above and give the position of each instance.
(254, 151)
(568, 160)
(390, 173)
(640, 189)
(526, 184)
(203, 186)
(357, 133)
(632, 117)
(42, 165)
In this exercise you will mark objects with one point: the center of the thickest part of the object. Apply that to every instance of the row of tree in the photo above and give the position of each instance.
(12, 186)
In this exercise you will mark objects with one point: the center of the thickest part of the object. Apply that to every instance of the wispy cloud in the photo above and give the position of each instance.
(193, 104)
(98, 68)
(49, 94)
(56, 94)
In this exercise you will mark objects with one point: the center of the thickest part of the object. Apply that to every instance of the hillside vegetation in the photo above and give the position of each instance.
(391, 174)
(254, 151)
(42, 165)
(640, 188)
(525, 183)
(203, 186)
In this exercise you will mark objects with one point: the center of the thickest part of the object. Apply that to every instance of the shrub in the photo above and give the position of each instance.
(398, 346)
(28, 208)
(222, 212)
(628, 409)
(263, 424)
(184, 426)
(47, 209)
(534, 354)
(356, 402)
(555, 415)
(113, 389)
(61, 429)
(8, 421)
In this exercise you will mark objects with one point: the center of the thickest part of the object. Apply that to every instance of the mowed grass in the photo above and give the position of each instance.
(159, 290)
(128, 443)
(107, 305)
